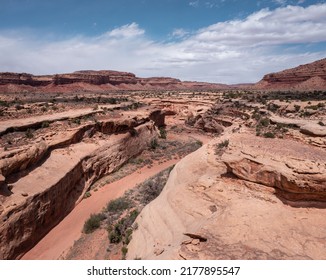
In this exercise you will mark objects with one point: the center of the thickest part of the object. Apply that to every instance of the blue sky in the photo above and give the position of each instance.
(227, 41)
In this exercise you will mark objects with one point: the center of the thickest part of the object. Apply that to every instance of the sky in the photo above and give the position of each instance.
(223, 41)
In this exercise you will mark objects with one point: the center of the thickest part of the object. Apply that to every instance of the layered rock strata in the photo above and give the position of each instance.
(306, 77)
(106, 78)
(251, 199)
(42, 183)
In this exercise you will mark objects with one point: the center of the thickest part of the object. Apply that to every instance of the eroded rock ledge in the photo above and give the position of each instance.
(254, 199)
(41, 184)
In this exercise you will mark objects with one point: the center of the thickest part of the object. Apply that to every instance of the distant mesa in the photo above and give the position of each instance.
(311, 76)
(95, 80)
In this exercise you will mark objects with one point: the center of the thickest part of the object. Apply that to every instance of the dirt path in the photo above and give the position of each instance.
(58, 241)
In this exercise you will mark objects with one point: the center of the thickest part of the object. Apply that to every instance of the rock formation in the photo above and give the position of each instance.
(310, 76)
(41, 183)
(106, 79)
(251, 198)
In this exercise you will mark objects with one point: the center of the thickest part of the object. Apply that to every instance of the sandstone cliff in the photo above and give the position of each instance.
(94, 81)
(310, 76)
(252, 198)
(47, 179)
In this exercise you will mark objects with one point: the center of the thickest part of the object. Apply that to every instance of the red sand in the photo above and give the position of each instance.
(58, 241)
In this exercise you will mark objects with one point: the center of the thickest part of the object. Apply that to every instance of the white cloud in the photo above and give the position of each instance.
(194, 4)
(280, 2)
(230, 52)
(179, 33)
(127, 31)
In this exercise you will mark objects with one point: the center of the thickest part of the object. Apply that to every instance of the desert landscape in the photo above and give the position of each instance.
(107, 165)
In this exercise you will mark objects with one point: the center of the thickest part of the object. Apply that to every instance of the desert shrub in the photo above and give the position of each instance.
(93, 223)
(154, 144)
(45, 124)
(306, 114)
(163, 133)
(223, 144)
(112, 100)
(269, 134)
(272, 107)
(133, 132)
(87, 195)
(136, 161)
(264, 122)
(122, 228)
(128, 235)
(152, 187)
(124, 251)
(256, 115)
(119, 204)
(297, 108)
(76, 121)
(29, 133)
(115, 237)
(4, 103)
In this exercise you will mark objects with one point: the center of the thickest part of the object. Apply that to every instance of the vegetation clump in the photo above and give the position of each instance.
(269, 134)
(93, 223)
(154, 144)
(118, 205)
(163, 133)
(29, 133)
(223, 144)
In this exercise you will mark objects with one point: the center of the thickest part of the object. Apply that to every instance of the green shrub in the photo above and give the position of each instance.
(76, 121)
(264, 122)
(45, 124)
(223, 144)
(87, 195)
(29, 133)
(199, 143)
(119, 204)
(163, 133)
(121, 230)
(93, 223)
(269, 135)
(4, 103)
(115, 237)
(133, 132)
(124, 251)
(154, 144)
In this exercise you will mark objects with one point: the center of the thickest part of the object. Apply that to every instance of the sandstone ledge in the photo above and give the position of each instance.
(237, 202)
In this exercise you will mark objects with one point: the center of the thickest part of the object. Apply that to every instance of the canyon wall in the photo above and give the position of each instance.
(47, 188)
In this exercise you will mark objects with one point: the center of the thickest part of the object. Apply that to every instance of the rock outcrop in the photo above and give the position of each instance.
(88, 80)
(215, 119)
(308, 127)
(310, 76)
(42, 183)
(90, 77)
(251, 199)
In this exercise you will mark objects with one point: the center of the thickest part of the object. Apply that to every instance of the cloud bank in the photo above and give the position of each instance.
(235, 51)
